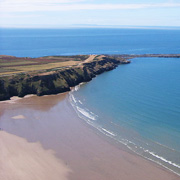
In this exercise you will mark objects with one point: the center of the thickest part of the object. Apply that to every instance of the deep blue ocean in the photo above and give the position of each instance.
(43, 42)
(138, 104)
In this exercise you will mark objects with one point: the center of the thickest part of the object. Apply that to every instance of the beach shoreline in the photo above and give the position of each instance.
(85, 152)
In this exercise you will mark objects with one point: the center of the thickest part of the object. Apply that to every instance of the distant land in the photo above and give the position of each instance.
(96, 26)
(56, 74)
(123, 26)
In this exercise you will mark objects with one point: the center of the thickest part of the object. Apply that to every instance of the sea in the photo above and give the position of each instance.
(138, 104)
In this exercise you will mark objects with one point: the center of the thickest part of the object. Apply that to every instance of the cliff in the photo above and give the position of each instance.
(55, 81)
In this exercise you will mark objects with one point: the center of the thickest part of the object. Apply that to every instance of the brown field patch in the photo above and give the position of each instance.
(11, 64)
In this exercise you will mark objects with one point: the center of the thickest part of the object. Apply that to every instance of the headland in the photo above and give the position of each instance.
(50, 75)
(55, 74)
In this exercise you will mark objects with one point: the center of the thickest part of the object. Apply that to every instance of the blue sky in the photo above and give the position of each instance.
(72, 13)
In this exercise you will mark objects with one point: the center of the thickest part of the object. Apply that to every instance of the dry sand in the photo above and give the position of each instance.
(51, 123)
(20, 160)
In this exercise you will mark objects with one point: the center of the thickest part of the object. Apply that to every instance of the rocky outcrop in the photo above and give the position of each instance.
(54, 82)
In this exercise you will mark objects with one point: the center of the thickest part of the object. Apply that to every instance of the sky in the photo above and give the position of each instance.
(88, 13)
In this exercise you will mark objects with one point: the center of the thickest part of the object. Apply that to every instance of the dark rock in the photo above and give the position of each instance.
(54, 82)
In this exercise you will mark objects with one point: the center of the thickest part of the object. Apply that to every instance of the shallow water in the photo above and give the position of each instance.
(137, 105)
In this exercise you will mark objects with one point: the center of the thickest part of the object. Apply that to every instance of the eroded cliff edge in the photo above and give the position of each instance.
(54, 82)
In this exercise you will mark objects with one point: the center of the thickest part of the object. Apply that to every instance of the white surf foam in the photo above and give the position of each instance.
(109, 132)
(163, 159)
(165, 146)
(73, 98)
(80, 102)
(77, 88)
(85, 113)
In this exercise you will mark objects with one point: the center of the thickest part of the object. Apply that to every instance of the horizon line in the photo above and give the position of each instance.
(76, 26)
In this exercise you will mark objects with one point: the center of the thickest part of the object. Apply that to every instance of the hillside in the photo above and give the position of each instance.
(50, 75)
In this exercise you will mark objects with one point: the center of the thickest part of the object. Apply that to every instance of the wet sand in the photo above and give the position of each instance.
(46, 131)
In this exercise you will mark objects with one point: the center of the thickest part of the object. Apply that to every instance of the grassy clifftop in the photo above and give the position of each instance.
(43, 79)
(12, 65)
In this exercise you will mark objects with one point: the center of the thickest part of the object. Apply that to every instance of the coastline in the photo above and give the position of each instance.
(53, 81)
(51, 121)
(63, 77)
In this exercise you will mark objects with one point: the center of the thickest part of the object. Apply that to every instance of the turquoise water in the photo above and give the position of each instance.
(137, 105)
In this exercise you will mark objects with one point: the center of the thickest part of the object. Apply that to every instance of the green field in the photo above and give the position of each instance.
(12, 65)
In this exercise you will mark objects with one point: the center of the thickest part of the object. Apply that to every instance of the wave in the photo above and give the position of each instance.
(76, 88)
(77, 103)
(73, 98)
(165, 146)
(163, 159)
(80, 102)
(127, 143)
(86, 113)
(109, 132)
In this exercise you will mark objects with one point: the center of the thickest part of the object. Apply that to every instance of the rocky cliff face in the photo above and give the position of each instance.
(54, 82)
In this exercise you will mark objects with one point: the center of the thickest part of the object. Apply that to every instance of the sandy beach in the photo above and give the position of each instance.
(23, 160)
(43, 138)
